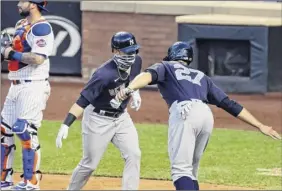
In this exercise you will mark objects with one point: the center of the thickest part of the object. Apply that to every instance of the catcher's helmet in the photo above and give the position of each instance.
(180, 51)
(125, 42)
(41, 4)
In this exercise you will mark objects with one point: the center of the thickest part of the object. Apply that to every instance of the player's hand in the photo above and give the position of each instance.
(270, 132)
(63, 134)
(123, 94)
(136, 100)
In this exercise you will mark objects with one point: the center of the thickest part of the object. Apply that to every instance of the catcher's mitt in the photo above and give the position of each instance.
(6, 41)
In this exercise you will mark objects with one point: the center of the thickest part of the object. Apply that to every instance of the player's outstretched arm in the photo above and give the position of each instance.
(243, 114)
(140, 81)
(247, 117)
(217, 97)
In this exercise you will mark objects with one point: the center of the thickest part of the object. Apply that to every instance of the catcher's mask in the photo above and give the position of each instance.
(125, 43)
(180, 51)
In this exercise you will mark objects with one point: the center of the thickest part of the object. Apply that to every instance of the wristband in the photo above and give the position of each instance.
(13, 55)
(69, 119)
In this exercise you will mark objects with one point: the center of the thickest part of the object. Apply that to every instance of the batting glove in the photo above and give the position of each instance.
(184, 108)
(63, 134)
(136, 100)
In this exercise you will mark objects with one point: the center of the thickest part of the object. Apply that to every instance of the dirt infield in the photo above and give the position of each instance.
(60, 182)
(267, 108)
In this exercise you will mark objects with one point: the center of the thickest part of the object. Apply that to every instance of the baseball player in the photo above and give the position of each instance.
(28, 64)
(187, 92)
(101, 122)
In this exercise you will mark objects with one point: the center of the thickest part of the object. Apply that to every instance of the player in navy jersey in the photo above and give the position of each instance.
(101, 123)
(187, 92)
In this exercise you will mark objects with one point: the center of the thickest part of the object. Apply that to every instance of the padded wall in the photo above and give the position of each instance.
(257, 36)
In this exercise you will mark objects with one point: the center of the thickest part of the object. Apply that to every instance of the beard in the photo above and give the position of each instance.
(24, 13)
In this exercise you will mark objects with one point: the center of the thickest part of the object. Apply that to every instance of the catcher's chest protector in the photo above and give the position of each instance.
(20, 43)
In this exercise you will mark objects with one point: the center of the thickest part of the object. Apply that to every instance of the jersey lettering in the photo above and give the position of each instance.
(114, 91)
(183, 73)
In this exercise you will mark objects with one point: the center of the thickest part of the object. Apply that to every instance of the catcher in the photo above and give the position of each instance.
(28, 64)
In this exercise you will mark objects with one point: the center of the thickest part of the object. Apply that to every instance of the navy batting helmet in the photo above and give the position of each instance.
(125, 42)
(41, 4)
(180, 51)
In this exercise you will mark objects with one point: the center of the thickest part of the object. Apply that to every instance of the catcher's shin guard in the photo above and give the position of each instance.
(30, 149)
(7, 152)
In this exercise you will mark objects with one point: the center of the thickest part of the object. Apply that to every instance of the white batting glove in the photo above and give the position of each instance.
(136, 100)
(184, 108)
(63, 134)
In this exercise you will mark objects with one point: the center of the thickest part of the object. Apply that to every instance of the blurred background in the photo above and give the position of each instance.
(237, 43)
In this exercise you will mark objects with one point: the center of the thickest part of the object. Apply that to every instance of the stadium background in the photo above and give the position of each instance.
(155, 27)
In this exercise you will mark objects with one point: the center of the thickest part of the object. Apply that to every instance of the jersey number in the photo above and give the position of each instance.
(183, 73)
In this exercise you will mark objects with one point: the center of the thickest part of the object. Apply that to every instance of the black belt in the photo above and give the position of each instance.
(108, 113)
(16, 82)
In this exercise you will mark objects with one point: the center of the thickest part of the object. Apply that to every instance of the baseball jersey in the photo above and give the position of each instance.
(106, 82)
(37, 38)
(179, 82)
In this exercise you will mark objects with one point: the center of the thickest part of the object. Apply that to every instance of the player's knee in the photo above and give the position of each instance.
(24, 131)
(87, 168)
(88, 163)
(27, 133)
(133, 154)
(21, 129)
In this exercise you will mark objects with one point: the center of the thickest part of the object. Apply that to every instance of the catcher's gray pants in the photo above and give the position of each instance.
(187, 139)
(97, 132)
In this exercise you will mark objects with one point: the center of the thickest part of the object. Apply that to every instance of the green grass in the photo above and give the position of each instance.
(231, 158)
